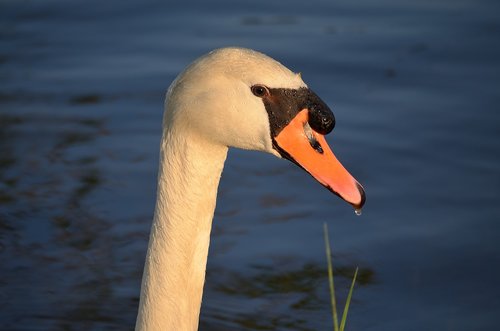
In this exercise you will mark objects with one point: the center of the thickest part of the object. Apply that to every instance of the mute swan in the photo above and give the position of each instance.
(231, 97)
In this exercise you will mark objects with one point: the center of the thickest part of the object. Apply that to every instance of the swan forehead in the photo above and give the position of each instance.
(252, 67)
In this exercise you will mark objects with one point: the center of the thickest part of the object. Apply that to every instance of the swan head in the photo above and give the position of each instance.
(241, 98)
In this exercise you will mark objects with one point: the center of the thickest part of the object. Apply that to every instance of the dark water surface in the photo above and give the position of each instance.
(415, 86)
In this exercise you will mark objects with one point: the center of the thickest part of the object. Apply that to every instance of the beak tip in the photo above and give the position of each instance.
(362, 197)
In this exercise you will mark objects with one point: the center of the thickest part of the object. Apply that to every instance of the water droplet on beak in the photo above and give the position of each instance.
(357, 211)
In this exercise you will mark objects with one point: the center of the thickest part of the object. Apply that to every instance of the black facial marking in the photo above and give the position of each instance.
(283, 105)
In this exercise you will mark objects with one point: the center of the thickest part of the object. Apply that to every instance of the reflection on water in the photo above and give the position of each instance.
(414, 86)
(280, 298)
(55, 262)
(268, 281)
(86, 99)
(273, 20)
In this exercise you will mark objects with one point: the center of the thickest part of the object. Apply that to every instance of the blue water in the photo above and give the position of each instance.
(415, 89)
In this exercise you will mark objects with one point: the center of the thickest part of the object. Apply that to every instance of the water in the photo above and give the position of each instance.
(414, 88)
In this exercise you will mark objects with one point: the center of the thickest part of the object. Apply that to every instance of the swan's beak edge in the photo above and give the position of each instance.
(309, 150)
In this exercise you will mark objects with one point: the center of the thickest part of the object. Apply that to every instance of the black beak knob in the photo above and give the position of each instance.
(321, 118)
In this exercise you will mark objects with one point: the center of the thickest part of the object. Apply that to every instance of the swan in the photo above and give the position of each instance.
(230, 97)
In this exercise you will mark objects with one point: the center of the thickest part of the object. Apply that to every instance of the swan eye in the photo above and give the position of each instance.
(259, 90)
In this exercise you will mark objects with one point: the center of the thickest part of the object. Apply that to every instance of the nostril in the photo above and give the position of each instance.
(312, 140)
(316, 145)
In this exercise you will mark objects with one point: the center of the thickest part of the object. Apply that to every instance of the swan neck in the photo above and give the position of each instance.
(174, 273)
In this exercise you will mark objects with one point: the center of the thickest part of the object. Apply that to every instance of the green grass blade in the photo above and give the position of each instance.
(330, 278)
(348, 301)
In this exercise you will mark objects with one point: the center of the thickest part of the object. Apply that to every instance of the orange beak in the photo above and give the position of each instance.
(310, 151)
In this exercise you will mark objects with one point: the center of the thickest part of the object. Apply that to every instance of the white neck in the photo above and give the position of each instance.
(174, 273)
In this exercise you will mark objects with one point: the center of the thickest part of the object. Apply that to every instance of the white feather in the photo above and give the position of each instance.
(209, 107)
